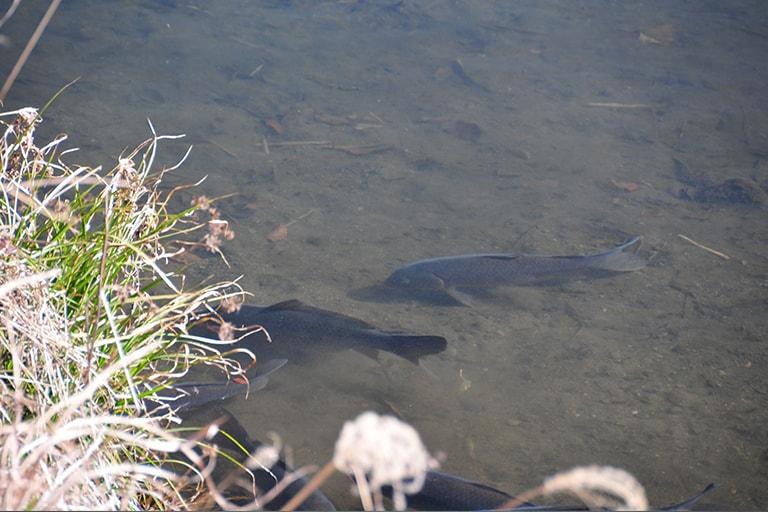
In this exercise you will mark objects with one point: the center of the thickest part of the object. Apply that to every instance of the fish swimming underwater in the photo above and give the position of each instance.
(451, 274)
(441, 491)
(188, 395)
(233, 437)
(198, 403)
(298, 330)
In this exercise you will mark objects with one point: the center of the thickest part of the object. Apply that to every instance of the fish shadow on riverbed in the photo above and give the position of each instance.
(385, 294)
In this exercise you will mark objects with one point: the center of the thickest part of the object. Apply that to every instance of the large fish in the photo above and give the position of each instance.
(451, 274)
(187, 395)
(298, 330)
(441, 491)
(233, 437)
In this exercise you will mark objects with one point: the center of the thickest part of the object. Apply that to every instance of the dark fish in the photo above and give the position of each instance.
(232, 436)
(442, 491)
(453, 273)
(298, 330)
(187, 395)
(687, 504)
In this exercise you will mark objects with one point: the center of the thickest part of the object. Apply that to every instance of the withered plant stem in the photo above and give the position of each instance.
(28, 49)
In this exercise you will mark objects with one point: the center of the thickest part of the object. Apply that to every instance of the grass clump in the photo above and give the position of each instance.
(90, 323)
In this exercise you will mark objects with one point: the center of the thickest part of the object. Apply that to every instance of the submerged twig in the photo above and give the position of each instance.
(300, 143)
(626, 106)
(704, 247)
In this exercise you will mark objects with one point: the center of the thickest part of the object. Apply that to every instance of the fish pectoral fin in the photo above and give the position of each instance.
(461, 297)
(269, 367)
(261, 379)
(427, 371)
(257, 384)
(369, 352)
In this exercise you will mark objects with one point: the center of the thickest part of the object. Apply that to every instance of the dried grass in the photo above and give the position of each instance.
(86, 315)
(599, 487)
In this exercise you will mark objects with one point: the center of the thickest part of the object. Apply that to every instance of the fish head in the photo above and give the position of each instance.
(415, 278)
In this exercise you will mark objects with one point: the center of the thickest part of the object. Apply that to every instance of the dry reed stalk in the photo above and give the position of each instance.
(28, 48)
(599, 487)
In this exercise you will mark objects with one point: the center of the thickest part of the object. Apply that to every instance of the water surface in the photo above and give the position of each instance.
(582, 109)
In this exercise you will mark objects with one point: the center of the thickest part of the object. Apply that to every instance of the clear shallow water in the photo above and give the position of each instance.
(662, 371)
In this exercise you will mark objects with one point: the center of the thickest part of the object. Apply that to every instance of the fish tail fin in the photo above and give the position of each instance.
(414, 347)
(621, 259)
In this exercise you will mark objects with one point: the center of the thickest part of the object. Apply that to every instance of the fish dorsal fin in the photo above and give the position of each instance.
(290, 305)
(296, 305)
(501, 256)
(461, 297)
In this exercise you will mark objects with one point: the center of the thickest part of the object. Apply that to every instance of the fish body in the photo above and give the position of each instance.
(298, 330)
(468, 271)
(441, 491)
(188, 395)
(232, 436)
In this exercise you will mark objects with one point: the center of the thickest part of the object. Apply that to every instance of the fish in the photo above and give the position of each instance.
(231, 435)
(298, 330)
(443, 491)
(452, 274)
(188, 395)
